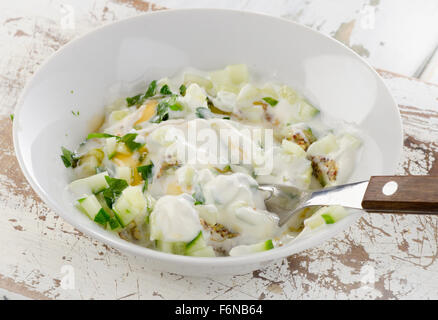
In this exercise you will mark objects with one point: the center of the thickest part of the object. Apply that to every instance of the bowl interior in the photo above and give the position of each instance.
(116, 61)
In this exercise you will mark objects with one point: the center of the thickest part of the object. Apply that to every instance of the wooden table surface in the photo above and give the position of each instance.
(379, 257)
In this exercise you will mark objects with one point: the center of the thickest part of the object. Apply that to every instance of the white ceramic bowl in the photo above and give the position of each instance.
(116, 61)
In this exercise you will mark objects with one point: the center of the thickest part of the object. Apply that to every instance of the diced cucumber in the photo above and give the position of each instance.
(196, 244)
(238, 73)
(170, 247)
(198, 247)
(111, 147)
(130, 203)
(292, 148)
(204, 252)
(92, 184)
(123, 173)
(248, 94)
(289, 94)
(90, 205)
(253, 248)
(323, 146)
(190, 78)
(117, 115)
(306, 111)
(325, 215)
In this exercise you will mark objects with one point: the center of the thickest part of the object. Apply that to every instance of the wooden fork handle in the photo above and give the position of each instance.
(402, 194)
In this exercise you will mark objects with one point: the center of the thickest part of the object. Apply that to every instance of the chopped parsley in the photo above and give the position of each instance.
(114, 223)
(75, 113)
(128, 139)
(182, 90)
(204, 113)
(165, 90)
(116, 186)
(102, 217)
(271, 101)
(152, 90)
(162, 112)
(146, 174)
(134, 100)
(199, 198)
(100, 135)
(140, 98)
(69, 158)
(11, 116)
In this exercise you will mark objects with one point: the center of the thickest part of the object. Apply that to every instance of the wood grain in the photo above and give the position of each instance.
(411, 194)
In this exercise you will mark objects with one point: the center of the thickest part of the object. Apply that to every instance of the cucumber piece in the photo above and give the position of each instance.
(306, 111)
(323, 146)
(196, 244)
(289, 94)
(325, 215)
(90, 205)
(190, 78)
(237, 73)
(222, 81)
(123, 173)
(253, 248)
(170, 247)
(130, 203)
(93, 184)
(204, 252)
(111, 147)
(198, 247)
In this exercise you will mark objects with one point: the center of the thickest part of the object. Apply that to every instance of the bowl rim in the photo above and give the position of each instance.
(128, 247)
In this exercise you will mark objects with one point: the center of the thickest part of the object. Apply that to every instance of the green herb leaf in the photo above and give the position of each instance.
(11, 116)
(271, 101)
(146, 174)
(134, 100)
(102, 217)
(199, 197)
(182, 90)
(69, 158)
(328, 218)
(128, 139)
(152, 90)
(116, 186)
(165, 90)
(204, 113)
(100, 135)
(162, 112)
(114, 223)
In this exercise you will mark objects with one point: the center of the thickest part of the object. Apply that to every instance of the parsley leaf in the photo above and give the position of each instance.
(116, 186)
(162, 112)
(100, 135)
(199, 197)
(69, 158)
(271, 101)
(204, 113)
(182, 90)
(140, 98)
(165, 90)
(102, 217)
(128, 139)
(134, 100)
(146, 174)
(152, 90)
